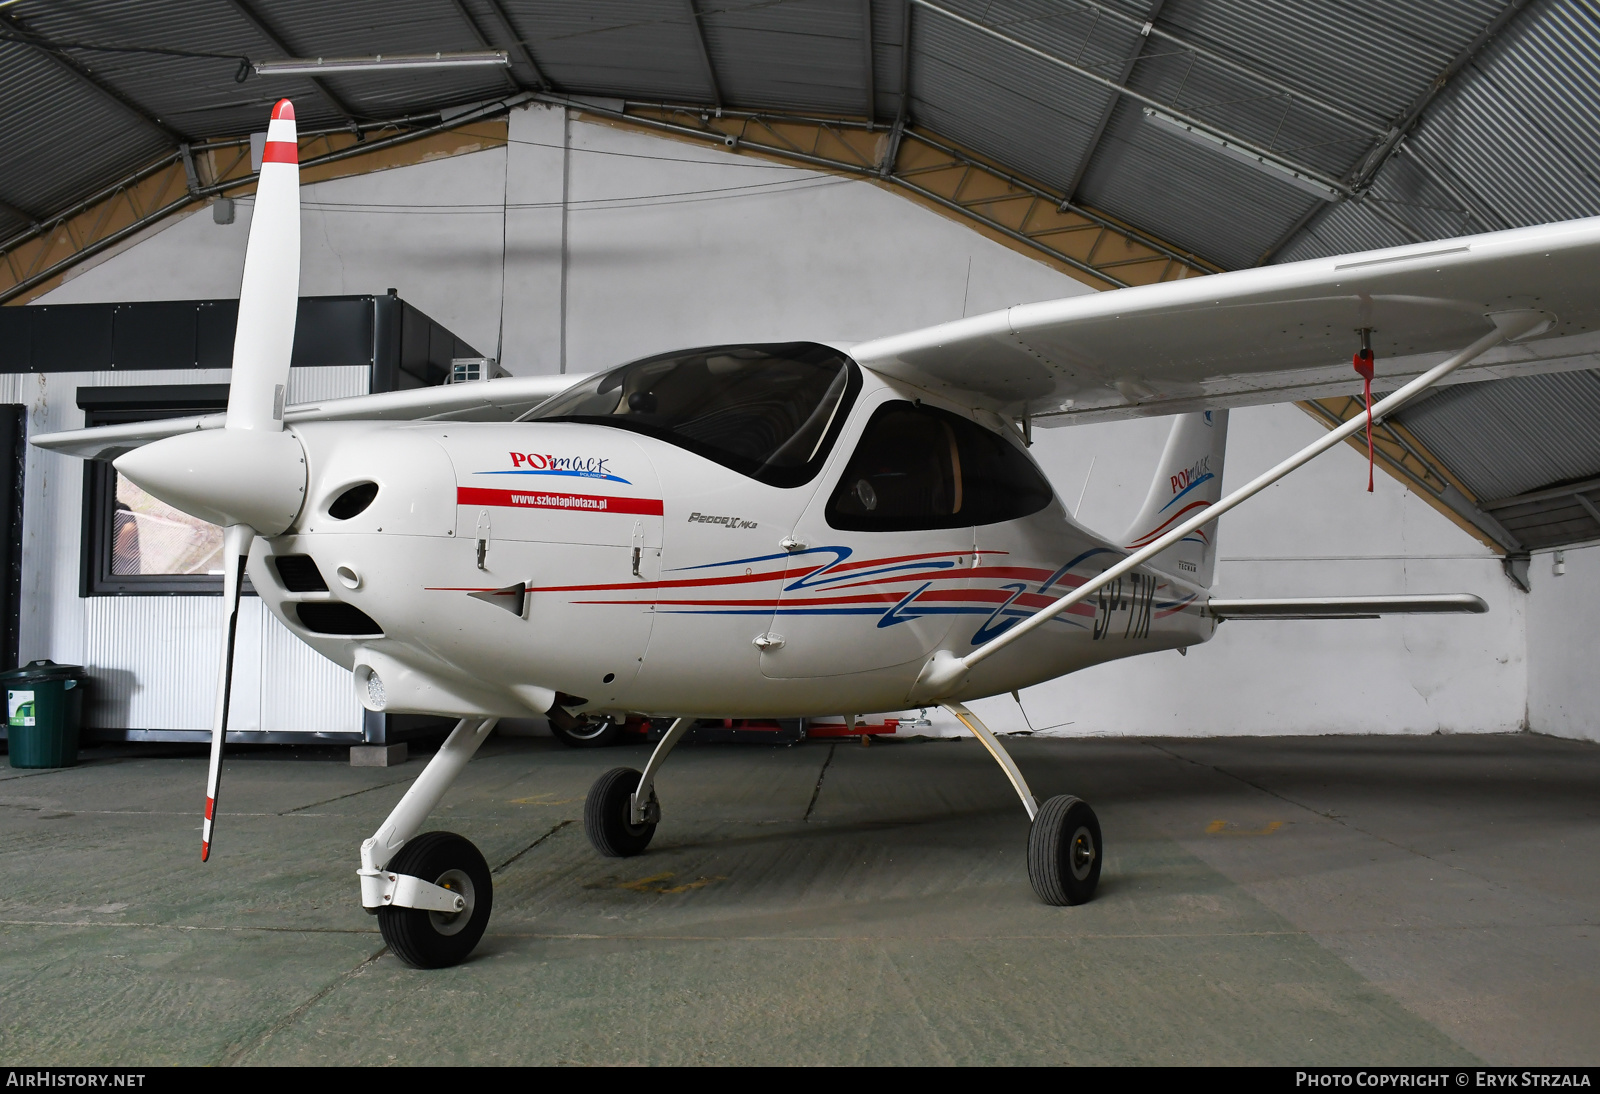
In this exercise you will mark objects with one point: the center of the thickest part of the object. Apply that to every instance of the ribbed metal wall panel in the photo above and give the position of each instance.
(153, 665)
(1509, 437)
(300, 690)
(153, 661)
(305, 384)
(328, 382)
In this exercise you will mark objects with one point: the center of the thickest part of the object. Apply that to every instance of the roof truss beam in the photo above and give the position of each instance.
(1125, 91)
(1111, 104)
(1382, 151)
(705, 54)
(866, 60)
(1403, 457)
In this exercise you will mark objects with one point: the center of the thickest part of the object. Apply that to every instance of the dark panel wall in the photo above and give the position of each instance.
(329, 330)
(13, 435)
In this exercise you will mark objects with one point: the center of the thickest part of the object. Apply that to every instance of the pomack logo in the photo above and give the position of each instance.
(1193, 475)
(546, 463)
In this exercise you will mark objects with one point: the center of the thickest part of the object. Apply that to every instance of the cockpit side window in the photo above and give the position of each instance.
(919, 467)
(768, 411)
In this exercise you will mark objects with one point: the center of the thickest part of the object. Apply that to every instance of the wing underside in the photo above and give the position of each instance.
(1268, 335)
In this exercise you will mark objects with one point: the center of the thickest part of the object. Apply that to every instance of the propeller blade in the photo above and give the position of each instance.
(270, 293)
(235, 552)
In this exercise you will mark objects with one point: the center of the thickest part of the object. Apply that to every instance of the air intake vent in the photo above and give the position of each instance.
(332, 617)
(299, 574)
(353, 501)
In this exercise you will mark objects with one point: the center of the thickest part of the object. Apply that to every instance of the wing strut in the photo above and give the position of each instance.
(945, 672)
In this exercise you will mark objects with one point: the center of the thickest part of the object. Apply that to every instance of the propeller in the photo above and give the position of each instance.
(249, 476)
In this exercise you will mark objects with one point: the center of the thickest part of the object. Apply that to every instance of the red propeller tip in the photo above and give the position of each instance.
(283, 109)
(205, 851)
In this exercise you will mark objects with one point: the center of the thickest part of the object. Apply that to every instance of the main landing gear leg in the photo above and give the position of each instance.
(621, 811)
(432, 893)
(1064, 839)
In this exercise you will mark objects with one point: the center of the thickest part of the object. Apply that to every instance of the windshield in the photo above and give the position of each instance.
(767, 411)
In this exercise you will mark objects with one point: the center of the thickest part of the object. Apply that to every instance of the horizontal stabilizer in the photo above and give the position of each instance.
(1347, 607)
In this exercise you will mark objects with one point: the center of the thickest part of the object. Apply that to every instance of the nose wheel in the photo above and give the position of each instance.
(1064, 851)
(436, 940)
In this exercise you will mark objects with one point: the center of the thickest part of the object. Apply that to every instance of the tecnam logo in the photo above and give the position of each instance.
(545, 463)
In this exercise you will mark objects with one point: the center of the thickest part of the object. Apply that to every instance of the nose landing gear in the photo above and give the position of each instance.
(426, 939)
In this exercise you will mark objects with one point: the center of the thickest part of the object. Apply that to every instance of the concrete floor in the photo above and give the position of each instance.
(1290, 900)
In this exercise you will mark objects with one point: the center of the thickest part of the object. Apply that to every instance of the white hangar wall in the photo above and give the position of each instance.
(606, 244)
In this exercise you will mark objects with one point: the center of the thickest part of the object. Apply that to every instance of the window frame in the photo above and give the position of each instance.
(108, 406)
(958, 519)
(781, 479)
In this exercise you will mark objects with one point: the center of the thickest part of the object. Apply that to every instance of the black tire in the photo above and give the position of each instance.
(606, 815)
(588, 733)
(433, 940)
(1065, 851)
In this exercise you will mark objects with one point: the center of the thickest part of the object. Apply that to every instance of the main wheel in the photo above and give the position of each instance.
(436, 940)
(588, 733)
(607, 815)
(1064, 851)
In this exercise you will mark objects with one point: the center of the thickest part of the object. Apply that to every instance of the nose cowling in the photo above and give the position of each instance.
(225, 476)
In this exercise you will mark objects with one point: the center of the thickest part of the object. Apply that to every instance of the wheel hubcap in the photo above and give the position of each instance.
(451, 922)
(1080, 856)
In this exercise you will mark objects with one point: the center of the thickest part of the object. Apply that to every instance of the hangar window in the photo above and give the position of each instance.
(134, 543)
(919, 467)
(770, 411)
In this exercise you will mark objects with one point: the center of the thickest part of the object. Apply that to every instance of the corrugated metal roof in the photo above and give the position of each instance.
(1508, 437)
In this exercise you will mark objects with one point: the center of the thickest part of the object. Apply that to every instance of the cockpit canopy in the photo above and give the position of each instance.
(768, 411)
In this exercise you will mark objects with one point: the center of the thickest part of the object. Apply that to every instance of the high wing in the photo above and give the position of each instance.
(1267, 335)
(501, 400)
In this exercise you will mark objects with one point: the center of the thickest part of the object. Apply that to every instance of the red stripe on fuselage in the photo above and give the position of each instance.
(543, 499)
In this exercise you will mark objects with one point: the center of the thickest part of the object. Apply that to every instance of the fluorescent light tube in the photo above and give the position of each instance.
(1266, 164)
(323, 66)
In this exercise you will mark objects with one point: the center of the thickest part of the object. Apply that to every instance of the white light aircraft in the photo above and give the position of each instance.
(782, 530)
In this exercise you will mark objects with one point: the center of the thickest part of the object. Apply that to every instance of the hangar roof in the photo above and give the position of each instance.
(1232, 132)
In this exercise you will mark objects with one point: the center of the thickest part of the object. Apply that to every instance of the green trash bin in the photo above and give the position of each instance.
(45, 704)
